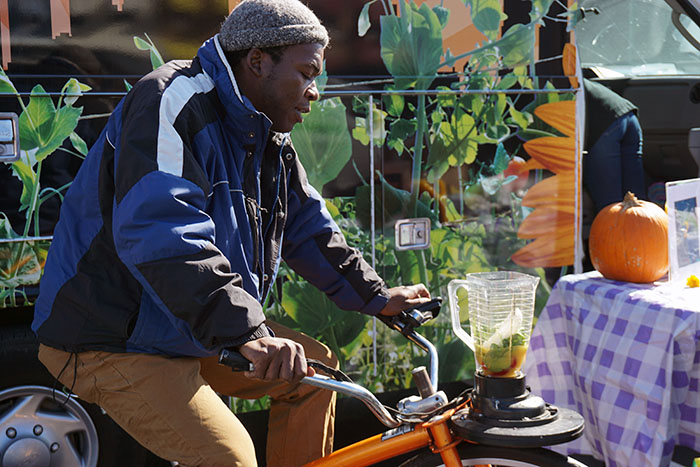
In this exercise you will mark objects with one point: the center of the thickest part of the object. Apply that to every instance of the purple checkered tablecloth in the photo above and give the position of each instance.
(627, 357)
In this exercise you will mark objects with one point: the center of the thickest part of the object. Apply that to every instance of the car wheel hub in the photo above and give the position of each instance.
(27, 452)
(39, 427)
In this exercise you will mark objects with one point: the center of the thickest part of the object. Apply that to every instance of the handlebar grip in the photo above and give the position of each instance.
(432, 306)
(386, 320)
(406, 321)
(234, 360)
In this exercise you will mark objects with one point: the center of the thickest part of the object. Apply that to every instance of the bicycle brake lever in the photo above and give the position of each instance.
(424, 312)
(406, 321)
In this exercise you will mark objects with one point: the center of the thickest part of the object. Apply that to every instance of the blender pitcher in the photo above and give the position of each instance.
(500, 306)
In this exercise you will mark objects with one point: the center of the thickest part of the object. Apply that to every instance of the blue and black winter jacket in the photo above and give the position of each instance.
(172, 232)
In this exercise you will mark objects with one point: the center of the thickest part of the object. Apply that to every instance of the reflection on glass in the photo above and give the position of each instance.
(635, 38)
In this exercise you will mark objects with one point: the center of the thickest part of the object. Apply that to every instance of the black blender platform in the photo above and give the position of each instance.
(564, 425)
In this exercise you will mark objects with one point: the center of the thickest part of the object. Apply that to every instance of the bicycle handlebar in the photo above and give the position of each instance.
(238, 362)
(356, 391)
(405, 322)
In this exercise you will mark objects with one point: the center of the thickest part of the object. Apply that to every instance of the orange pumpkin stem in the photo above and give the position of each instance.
(630, 201)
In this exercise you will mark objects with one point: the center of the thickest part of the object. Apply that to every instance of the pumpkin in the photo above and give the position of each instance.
(629, 241)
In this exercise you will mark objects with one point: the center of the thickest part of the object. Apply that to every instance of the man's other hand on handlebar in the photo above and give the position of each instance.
(276, 358)
(404, 297)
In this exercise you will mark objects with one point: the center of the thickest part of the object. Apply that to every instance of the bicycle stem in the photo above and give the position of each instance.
(428, 346)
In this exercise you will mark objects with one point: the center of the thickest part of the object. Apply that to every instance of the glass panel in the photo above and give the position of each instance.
(485, 152)
(471, 179)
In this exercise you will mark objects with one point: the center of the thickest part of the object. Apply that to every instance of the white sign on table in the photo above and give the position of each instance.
(683, 203)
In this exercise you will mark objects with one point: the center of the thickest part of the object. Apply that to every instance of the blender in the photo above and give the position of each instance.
(500, 307)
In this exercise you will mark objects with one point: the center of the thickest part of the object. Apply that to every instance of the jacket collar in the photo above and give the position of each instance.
(240, 111)
(224, 61)
(215, 65)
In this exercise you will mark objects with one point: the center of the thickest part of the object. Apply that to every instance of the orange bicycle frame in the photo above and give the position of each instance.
(434, 434)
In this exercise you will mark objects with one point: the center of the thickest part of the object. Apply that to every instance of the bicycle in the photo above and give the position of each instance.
(441, 431)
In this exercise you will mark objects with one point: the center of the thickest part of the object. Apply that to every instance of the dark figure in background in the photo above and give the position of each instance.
(613, 141)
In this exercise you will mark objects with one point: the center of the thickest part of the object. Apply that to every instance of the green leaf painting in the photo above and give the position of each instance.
(487, 16)
(363, 22)
(79, 144)
(73, 90)
(391, 204)
(411, 45)
(394, 104)
(6, 85)
(148, 45)
(443, 15)
(65, 121)
(539, 9)
(456, 142)
(518, 45)
(36, 122)
(319, 317)
(20, 263)
(323, 142)
(44, 127)
(141, 44)
(361, 132)
(23, 170)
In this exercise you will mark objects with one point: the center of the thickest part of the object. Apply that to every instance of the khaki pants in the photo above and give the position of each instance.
(171, 406)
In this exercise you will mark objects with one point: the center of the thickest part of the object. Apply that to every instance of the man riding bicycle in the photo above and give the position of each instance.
(170, 239)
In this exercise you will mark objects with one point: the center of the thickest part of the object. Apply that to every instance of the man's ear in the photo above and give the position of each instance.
(254, 62)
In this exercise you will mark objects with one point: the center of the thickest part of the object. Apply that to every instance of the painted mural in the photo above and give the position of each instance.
(460, 130)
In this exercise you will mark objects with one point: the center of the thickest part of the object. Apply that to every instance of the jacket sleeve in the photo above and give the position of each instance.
(315, 248)
(165, 237)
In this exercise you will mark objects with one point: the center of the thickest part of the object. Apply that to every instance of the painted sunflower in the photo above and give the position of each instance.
(552, 224)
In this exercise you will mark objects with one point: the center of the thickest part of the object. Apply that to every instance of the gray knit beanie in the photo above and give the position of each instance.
(271, 23)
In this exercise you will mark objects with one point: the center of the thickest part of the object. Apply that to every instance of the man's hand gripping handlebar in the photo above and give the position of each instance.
(405, 322)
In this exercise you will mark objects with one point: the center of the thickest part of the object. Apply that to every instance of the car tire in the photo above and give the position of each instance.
(24, 379)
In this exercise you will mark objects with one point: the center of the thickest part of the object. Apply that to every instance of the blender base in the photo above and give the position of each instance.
(503, 412)
(566, 427)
